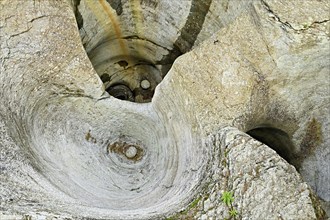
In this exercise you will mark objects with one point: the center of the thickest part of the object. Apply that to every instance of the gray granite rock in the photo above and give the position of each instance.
(69, 150)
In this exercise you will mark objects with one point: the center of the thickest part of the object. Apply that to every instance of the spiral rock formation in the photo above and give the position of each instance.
(101, 117)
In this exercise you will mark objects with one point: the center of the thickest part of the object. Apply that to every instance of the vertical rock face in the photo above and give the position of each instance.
(100, 118)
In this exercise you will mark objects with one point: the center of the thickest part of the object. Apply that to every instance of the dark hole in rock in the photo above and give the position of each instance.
(121, 92)
(123, 63)
(276, 139)
(105, 78)
(281, 142)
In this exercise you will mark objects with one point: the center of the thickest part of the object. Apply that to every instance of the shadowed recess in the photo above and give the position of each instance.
(133, 41)
(116, 5)
(276, 139)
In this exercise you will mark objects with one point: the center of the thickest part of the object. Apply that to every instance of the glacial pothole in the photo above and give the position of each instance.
(77, 151)
(124, 159)
(128, 48)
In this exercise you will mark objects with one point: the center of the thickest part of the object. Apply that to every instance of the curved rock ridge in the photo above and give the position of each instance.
(71, 150)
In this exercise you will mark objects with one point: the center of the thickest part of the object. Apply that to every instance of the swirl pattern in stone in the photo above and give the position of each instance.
(70, 149)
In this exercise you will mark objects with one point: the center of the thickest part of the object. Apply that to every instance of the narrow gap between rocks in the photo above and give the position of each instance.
(276, 139)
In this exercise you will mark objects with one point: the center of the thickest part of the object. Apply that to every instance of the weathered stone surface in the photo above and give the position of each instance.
(66, 145)
(262, 72)
(143, 40)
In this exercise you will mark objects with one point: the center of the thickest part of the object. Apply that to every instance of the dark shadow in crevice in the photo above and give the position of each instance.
(278, 140)
(281, 142)
(79, 18)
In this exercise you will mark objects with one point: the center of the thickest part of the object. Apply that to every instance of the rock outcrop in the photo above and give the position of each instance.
(217, 109)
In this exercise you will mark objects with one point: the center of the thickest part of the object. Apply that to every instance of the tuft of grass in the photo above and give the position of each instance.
(194, 203)
(233, 212)
(227, 198)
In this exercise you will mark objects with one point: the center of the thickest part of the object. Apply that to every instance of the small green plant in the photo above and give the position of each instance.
(227, 198)
(233, 212)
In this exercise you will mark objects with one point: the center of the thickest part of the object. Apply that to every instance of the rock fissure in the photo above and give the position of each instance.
(287, 24)
(276, 17)
(21, 32)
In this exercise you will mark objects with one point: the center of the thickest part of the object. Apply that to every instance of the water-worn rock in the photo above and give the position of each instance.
(70, 150)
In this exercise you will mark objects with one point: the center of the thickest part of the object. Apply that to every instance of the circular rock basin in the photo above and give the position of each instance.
(121, 158)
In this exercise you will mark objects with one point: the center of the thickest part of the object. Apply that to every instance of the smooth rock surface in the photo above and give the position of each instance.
(66, 145)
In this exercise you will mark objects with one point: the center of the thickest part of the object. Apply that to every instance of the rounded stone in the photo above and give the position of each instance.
(145, 84)
(131, 152)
